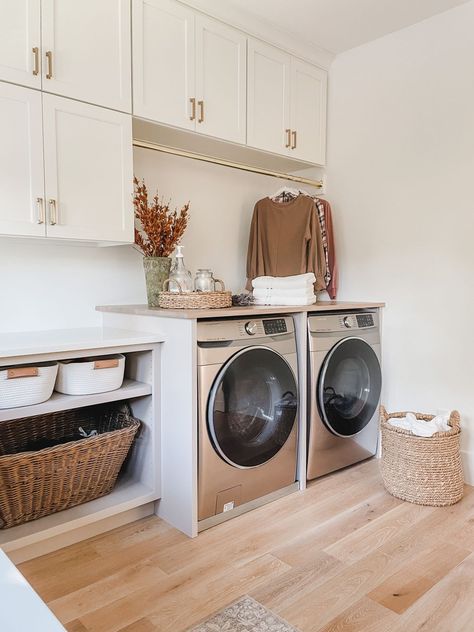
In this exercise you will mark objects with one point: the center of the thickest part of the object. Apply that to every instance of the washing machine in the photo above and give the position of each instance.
(344, 386)
(247, 414)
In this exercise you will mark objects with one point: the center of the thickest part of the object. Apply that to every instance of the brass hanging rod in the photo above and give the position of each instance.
(318, 184)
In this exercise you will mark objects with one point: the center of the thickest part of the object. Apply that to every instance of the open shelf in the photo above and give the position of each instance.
(58, 401)
(126, 495)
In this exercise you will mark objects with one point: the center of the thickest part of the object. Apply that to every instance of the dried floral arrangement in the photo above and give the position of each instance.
(158, 229)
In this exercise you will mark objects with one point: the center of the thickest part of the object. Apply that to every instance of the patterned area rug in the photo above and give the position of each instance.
(245, 615)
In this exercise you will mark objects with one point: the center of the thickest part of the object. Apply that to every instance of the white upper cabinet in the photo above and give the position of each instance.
(88, 171)
(21, 162)
(86, 51)
(286, 111)
(163, 62)
(189, 71)
(308, 112)
(220, 80)
(20, 42)
(268, 111)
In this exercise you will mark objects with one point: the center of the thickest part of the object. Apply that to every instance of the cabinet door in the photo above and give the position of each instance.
(220, 80)
(163, 62)
(88, 171)
(308, 112)
(20, 42)
(21, 162)
(268, 97)
(89, 49)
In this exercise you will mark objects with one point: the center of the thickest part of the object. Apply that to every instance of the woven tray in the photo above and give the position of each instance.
(422, 470)
(38, 483)
(195, 300)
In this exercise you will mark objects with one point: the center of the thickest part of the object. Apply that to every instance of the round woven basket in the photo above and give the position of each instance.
(422, 470)
(195, 300)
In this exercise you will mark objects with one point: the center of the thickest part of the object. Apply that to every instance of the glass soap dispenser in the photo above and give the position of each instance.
(180, 278)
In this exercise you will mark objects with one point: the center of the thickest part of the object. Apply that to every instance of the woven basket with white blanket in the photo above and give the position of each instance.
(422, 470)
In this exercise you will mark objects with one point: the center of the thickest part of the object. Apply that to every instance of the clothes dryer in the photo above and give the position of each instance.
(344, 386)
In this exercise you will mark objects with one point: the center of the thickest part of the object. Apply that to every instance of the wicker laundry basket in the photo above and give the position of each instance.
(36, 483)
(422, 470)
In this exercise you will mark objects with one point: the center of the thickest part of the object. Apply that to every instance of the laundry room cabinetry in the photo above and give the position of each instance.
(80, 50)
(86, 51)
(20, 42)
(286, 111)
(188, 70)
(21, 162)
(138, 486)
(81, 187)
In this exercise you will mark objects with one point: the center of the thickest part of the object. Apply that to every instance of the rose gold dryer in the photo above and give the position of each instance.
(247, 415)
(344, 386)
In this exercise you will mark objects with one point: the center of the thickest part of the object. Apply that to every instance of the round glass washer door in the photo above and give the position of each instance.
(252, 407)
(349, 387)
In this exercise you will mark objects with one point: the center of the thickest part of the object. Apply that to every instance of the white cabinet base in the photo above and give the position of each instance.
(139, 484)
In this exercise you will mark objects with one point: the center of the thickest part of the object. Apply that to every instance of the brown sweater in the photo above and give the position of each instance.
(285, 239)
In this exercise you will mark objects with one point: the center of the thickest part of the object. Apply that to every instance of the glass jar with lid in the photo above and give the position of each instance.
(204, 281)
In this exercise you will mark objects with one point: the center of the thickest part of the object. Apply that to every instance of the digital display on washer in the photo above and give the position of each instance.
(365, 320)
(275, 326)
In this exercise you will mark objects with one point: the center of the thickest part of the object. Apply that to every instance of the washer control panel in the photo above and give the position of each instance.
(233, 329)
(275, 326)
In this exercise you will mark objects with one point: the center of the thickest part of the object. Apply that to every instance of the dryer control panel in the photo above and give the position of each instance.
(342, 321)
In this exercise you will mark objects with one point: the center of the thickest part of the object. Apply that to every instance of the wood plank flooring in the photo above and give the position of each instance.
(341, 556)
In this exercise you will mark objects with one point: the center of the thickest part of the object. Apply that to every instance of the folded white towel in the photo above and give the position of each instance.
(285, 300)
(422, 428)
(288, 282)
(303, 292)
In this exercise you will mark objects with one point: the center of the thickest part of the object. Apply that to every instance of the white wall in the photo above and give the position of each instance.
(49, 286)
(401, 174)
(222, 202)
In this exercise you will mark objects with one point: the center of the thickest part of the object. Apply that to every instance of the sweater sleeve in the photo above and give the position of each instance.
(332, 287)
(316, 260)
(252, 252)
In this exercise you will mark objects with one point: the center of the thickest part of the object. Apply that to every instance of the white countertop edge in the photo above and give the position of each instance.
(21, 609)
(31, 343)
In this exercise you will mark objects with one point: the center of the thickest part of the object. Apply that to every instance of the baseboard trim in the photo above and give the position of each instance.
(467, 459)
(77, 535)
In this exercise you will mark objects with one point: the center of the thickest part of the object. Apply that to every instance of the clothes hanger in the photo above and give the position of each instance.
(287, 191)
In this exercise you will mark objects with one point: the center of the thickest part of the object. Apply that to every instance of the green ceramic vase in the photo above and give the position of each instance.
(157, 270)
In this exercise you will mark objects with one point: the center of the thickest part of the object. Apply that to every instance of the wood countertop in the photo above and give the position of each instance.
(251, 310)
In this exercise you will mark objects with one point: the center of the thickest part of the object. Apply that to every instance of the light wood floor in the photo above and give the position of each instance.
(343, 555)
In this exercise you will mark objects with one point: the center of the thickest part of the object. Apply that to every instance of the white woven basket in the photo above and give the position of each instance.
(26, 385)
(86, 376)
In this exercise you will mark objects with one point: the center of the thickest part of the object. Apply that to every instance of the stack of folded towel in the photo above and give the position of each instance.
(290, 290)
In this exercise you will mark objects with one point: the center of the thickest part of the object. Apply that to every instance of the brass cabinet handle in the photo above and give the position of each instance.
(40, 207)
(53, 215)
(49, 59)
(293, 145)
(193, 109)
(201, 110)
(288, 137)
(35, 51)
